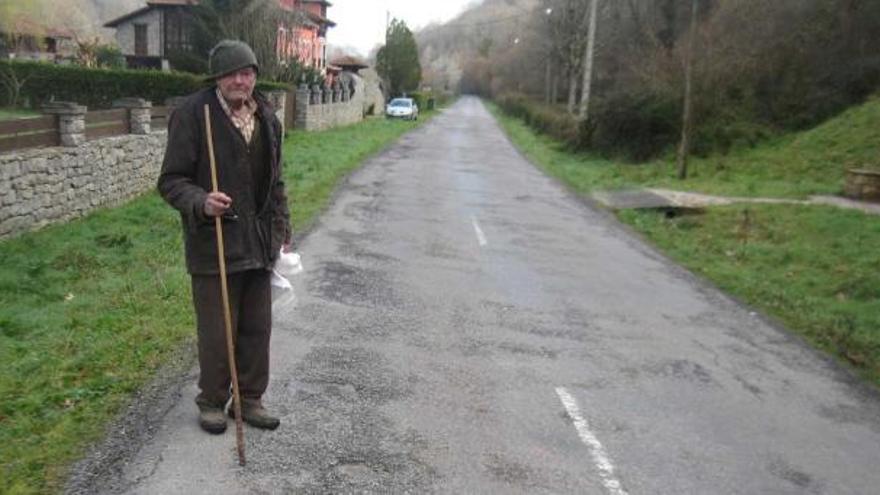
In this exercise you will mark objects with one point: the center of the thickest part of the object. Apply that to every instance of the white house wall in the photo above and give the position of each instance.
(125, 33)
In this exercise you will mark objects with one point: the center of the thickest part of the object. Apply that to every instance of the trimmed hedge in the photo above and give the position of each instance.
(98, 88)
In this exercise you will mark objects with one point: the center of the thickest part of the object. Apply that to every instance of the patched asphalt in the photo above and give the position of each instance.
(450, 292)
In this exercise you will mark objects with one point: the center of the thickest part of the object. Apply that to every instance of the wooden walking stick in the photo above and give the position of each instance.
(221, 257)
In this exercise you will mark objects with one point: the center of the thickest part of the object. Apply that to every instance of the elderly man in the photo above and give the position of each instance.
(256, 225)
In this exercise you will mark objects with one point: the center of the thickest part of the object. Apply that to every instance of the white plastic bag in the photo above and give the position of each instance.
(287, 266)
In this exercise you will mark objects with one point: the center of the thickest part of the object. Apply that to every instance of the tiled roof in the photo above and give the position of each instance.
(318, 19)
(349, 61)
(172, 2)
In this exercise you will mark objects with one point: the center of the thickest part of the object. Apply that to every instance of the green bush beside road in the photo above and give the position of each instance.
(815, 268)
(91, 309)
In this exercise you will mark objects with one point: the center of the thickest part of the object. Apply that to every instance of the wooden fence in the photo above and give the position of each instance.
(29, 133)
(33, 132)
(107, 123)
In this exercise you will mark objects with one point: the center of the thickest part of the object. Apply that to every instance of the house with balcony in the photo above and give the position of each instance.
(149, 36)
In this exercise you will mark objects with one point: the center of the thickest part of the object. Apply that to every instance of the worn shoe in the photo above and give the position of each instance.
(212, 420)
(254, 414)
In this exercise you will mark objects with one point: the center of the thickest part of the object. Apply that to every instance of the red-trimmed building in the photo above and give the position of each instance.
(149, 35)
(306, 41)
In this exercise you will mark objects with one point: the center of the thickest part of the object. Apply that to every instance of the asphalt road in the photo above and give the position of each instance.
(465, 325)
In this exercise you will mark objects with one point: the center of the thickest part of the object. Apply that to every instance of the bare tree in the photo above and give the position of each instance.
(567, 29)
(255, 21)
(12, 82)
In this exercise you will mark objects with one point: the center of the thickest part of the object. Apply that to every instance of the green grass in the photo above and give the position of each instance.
(89, 310)
(791, 166)
(814, 268)
(17, 113)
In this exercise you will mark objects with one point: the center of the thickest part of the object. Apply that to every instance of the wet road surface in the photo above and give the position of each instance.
(465, 325)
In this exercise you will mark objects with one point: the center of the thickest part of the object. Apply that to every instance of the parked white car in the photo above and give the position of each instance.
(402, 108)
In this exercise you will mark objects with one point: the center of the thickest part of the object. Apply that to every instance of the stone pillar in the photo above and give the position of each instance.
(138, 114)
(317, 95)
(337, 92)
(328, 94)
(278, 99)
(303, 99)
(71, 121)
(346, 95)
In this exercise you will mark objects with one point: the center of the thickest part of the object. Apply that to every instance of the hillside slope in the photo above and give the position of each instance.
(795, 165)
(445, 48)
(799, 164)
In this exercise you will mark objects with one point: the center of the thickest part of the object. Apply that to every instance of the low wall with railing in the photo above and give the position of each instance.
(319, 108)
(67, 163)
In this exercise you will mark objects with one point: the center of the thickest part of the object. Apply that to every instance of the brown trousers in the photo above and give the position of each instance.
(250, 302)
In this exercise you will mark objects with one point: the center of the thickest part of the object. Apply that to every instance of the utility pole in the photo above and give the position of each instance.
(388, 51)
(684, 147)
(588, 63)
(549, 45)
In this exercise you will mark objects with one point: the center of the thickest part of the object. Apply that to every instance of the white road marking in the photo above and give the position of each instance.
(600, 458)
(481, 238)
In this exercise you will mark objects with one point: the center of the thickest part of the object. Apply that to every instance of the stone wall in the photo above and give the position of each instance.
(50, 185)
(374, 103)
(42, 186)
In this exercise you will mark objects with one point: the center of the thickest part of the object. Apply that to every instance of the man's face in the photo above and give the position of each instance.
(238, 86)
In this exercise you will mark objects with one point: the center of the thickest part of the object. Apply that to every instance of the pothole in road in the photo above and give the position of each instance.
(353, 285)
(352, 373)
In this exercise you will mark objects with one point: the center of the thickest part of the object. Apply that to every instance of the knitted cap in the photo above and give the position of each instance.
(229, 56)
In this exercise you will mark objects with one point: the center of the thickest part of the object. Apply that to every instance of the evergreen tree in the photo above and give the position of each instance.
(398, 61)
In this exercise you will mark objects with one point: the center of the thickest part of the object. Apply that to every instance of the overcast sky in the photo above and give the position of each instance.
(361, 23)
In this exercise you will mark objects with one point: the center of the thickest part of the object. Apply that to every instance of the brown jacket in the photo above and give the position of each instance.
(257, 227)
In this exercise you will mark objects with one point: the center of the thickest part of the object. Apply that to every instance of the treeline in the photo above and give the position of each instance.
(759, 66)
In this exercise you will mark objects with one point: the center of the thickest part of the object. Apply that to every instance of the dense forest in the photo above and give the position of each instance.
(759, 66)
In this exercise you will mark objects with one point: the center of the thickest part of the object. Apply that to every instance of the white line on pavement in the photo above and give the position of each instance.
(481, 238)
(600, 458)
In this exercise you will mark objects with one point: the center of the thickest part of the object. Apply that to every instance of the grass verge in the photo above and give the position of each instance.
(90, 309)
(791, 166)
(814, 268)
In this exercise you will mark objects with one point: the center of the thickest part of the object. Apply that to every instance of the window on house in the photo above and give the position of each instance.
(178, 36)
(140, 40)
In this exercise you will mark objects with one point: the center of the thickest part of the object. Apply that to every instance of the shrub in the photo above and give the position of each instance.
(420, 98)
(637, 127)
(110, 56)
(98, 88)
(548, 119)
